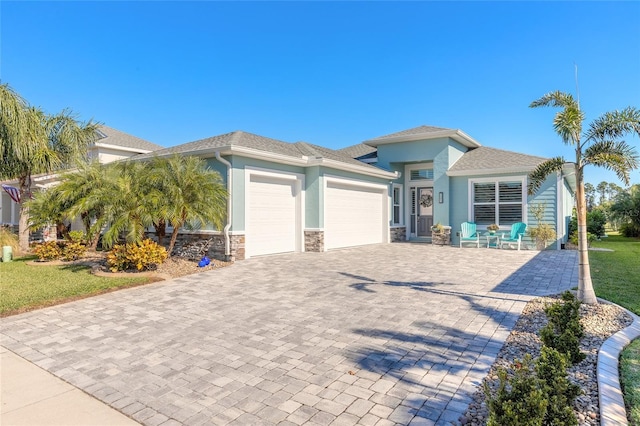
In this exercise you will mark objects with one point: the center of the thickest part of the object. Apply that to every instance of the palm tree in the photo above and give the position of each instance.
(47, 207)
(130, 203)
(83, 189)
(598, 146)
(193, 194)
(32, 142)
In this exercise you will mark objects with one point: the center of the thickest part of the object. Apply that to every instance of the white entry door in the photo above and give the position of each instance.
(354, 215)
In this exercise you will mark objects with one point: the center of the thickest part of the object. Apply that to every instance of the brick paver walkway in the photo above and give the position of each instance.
(378, 335)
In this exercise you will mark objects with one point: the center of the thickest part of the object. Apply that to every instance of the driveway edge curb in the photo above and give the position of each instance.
(612, 409)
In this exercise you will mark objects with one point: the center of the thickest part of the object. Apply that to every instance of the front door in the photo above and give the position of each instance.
(424, 215)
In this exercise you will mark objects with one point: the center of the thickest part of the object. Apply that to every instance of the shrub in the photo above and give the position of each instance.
(534, 396)
(543, 234)
(630, 230)
(49, 250)
(77, 236)
(140, 256)
(590, 238)
(8, 238)
(551, 369)
(520, 400)
(564, 331)
(596, 221)
(73, 250)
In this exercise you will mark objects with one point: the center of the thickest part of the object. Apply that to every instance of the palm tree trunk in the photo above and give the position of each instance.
(586, 294)
(23, 228)
(23, 223)
(172, 242)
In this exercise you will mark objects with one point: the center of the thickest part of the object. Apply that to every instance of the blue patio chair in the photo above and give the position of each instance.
(515, 237)
(468, 234)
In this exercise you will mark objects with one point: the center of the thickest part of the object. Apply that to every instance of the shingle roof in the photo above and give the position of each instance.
(485, 158)
(259, 143)
(357, 151)
(415, 131)
(116, 137)
(237, 138)
(330, 154)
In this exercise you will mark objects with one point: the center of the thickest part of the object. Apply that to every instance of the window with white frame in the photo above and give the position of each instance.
(422, 174)
(500, 202)
(397, 204)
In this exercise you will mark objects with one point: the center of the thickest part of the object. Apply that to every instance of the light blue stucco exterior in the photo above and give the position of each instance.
(451, 193)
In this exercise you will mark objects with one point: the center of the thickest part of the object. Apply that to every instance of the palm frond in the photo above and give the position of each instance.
(617, 156)
(568, 124)
(540, 174)
(555, 99)
(614, 124)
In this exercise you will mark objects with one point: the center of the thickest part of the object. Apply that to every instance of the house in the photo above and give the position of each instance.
(110, 145)
(294, 197)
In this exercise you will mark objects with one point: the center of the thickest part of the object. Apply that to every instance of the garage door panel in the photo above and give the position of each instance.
(272, 218)
(354, 215)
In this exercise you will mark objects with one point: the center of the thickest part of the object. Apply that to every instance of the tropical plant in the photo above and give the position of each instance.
(49, 207)
(141, 256)
(190, 194)
(89, 190)
(130, 203)
(46, 251)
(32, 142)
(598, 146)
(542, 232)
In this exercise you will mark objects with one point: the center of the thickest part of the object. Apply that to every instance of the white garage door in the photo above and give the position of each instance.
(271, 224)
(354, 215)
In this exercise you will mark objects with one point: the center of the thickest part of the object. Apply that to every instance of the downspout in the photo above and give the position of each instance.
(227, 242)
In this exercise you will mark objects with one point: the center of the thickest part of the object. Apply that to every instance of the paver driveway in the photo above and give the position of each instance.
(384, 334)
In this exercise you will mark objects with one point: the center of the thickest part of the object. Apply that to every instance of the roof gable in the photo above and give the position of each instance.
(492, 160)
(110, 136)
(414, 131)
(424, 133)
(357, 151)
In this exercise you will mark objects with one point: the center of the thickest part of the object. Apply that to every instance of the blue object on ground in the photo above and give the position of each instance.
(204, 262)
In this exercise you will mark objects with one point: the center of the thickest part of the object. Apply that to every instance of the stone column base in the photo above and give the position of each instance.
(314, 241)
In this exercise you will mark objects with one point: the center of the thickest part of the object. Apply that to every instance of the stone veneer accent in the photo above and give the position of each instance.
(314, 241)
(216, 250)
(397, 234)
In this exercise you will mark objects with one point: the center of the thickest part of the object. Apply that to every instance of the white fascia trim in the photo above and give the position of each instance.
(355, 182)
(457, 135)
(489, 171)
(314, 229)
(120, 148)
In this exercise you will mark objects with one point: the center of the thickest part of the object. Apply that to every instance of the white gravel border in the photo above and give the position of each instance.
(612, 409)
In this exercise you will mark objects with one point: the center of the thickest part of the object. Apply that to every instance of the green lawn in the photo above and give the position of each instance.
(616, 277)
(24, 287)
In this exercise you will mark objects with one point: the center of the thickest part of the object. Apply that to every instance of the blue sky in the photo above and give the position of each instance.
(329, 73)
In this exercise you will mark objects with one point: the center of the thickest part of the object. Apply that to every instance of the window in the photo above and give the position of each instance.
(397, 204)
(499, 202)
(422, 174)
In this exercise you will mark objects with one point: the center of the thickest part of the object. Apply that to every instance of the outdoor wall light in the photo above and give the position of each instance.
(440, 197)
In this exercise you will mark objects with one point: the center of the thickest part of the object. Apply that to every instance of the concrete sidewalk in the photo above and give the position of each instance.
(33, 396)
